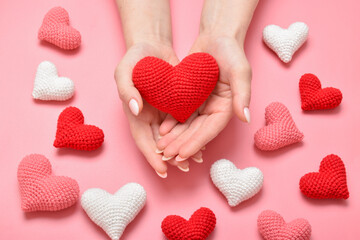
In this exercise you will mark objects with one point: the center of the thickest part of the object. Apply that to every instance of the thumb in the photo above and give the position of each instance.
(127, 91)
(240, 82)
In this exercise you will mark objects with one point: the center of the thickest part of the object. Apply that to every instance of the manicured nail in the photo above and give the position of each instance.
(198, 160)
(159, 137)
(180, 159)
(166, 158)
(162, 175)
(134, 107)
(247, 114)
(203, 148)
(159, 151)
(184, 169)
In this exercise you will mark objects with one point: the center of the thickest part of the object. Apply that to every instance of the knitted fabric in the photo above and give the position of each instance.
(56, 29)
(285, 42)
(178, 90)
(313, 97)
(237, 185)
(114, 212)
(73, 133)
(329, 182)
(198, 227)
(280, 129)
(49, 86)
(40, 190)
(272, 226)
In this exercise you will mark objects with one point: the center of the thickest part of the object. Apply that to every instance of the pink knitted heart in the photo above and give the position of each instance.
(280, 129)
(56, 29)
(40, 191)
(272, 226)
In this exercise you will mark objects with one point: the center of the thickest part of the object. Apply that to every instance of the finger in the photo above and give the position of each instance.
(168, 124)
(183, 166)
(126, 89)
(197, 157)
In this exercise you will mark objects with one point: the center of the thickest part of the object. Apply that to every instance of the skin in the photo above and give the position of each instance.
(147, 32)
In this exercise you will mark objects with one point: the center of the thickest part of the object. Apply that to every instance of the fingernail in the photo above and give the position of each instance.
(203, 148)
(198, 160)
(162, 175)
(180, 159)
(247, 114)
(134, 107)
(184, 169)
(159, 151)
(159, 137)
(166, 158)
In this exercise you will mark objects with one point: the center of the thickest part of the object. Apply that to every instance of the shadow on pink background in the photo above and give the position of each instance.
(28, 126)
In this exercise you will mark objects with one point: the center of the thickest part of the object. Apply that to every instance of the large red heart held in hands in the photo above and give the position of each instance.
(199, 226)
(41, 191)
(56, 29)
(73, 133)
(272, 226)
(280, 129)
(329, 182)
(313, 97)
(178, 90)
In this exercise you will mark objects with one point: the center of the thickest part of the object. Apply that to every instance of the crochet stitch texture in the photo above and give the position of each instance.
(201, 223)
(56, 29)
(280, 129)
(313, 97)
(49, 86)
(42, 191)
(329, 182)
(272, 226)
(237, 185)
(114, 212)
(178, 90)
(73, 133)
(285, 42)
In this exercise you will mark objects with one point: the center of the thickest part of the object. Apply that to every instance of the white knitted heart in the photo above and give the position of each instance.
(285, 42)
(49, 86)
(114, 212)
(237, 185)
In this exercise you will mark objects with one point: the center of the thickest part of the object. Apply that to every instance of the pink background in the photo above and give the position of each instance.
(331, 52)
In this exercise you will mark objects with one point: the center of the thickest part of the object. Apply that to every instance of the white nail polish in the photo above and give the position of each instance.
(162, 175)
(180, 159)
(247, 114)
(198, 160)
(159, 151)
(184, 169)
(134, 107)
(166, 158)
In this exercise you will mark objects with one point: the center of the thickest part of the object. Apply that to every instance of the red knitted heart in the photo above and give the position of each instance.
(41, 191)
(313, 97)
(329, 182)
(280, 129)
(272, 226)
(178, 90)
(56, 29)
(73, 133)
(199, 226)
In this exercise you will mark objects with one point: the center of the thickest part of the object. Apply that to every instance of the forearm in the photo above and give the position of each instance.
(227, 18)
(145, 20)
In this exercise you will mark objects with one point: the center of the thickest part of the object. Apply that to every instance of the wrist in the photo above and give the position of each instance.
(149, 38)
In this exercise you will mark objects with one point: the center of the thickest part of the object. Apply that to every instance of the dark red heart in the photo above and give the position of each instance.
(178, 90)
(199, 226)
(329, 182)
(313, 97)
(73, 133)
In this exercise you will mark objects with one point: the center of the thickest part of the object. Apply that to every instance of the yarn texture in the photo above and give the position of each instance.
(272, 226)
(329, 182)
(114, 212)
(237, 185)
(201, 223)
(313, 97)
(285, 42)
(178, 90)
(73, 133)
(280, 129)
(49, 86)
(56, 29)
(42, 191)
